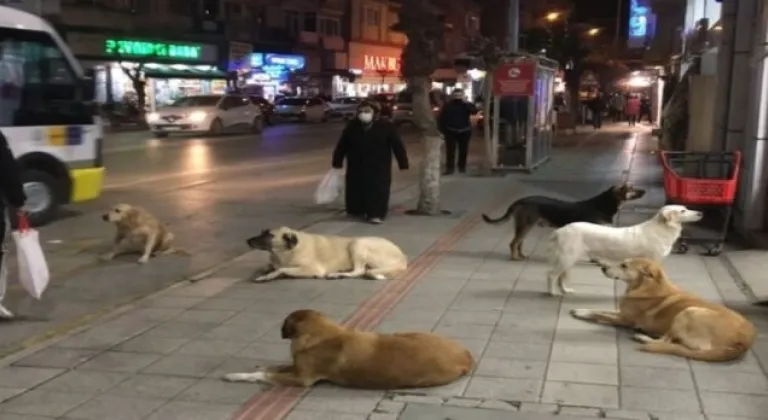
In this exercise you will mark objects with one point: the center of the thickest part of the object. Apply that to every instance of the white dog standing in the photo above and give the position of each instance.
(651, 239)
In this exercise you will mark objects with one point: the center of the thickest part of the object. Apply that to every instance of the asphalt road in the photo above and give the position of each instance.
(212, 192)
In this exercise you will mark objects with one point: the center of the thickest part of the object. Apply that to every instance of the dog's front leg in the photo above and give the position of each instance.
(263, 270)
(149, 246)
(601, 317)
(117, 247)
(279, 375)
(295, 272)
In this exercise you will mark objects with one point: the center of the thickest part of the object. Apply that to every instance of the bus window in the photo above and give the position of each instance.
(37, 85)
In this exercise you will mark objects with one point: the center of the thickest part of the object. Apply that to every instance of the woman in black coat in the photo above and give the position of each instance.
(368, 144)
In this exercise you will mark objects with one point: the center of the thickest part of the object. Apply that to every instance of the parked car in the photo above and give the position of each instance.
(212, 114)
(402, 110)
(386, 103)
(302, 109)
(345, 107)
(267, 108)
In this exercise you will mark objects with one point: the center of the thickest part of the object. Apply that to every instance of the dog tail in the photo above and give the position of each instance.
(721, 354)
(510, 212)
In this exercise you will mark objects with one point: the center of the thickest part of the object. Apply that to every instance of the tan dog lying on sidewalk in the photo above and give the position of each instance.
(305, 255)
(685, 324)
(138, 231)
(323, 350)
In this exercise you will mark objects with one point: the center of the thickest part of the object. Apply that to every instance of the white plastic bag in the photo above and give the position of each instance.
(33, 269)
(330, 187)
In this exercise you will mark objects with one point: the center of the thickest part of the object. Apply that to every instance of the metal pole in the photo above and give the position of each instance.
(513, 31)
(618, 23)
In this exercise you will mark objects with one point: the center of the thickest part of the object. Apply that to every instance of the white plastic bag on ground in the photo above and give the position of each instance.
(33, 269)
(330, 187)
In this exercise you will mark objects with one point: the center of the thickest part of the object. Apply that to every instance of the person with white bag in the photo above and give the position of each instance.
(11, 194)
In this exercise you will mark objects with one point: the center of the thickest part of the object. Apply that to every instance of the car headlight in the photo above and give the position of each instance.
(152, 117)
(197, 116)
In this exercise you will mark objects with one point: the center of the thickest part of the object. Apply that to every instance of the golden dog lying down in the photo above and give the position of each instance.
(323, 350)
(684, 324)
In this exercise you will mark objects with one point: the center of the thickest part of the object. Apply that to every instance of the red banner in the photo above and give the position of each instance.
(514, 79)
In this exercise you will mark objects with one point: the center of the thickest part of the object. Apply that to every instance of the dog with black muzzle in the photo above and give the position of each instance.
(297, 254)
(530, 211)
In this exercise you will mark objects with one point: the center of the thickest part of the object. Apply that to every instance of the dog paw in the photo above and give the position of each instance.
(143, 260)
(581, 313)
(567, 291)
(260, 279)
(378, 277)
(641, 338)
(553, 293)
(107, 257)
(245, 377)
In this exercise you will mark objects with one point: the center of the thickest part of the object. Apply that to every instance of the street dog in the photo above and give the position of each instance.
(138, 231)
(671, 320)
(652, 239)
(530, 211)
(322, 350)
(299, 254)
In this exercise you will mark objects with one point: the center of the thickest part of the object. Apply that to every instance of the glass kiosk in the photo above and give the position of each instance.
(522, 112)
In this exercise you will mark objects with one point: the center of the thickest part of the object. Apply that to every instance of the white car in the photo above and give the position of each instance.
(345, 107)
(212, 114)
(302, 109)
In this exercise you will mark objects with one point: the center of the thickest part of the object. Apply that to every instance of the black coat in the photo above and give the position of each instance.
(368, 152)
(455, 116)
(11, 189)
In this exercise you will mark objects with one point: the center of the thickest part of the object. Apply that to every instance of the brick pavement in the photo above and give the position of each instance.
(162, 358)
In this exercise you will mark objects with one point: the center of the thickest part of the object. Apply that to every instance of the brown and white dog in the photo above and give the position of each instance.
(323, 350)
(682, 324)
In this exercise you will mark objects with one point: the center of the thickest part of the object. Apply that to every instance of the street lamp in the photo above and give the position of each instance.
(552, 16)
(593, 31)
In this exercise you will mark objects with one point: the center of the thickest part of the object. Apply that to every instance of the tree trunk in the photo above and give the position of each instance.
(424, 119)
(487, 100)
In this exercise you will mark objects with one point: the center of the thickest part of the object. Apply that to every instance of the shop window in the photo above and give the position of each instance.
(330, 26)
(372, 17)
(293, 22)
(310, 22)
(37, 84)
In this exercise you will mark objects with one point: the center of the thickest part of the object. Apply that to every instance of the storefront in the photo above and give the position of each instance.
(270, 74)
(171, 69)
(376, 69)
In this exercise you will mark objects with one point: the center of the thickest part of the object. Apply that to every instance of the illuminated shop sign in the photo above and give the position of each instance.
(380, 63)
(135, 48)
(639, 28)
(281, 61)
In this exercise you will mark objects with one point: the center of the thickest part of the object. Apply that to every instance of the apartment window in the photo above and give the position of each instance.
(330, 26)
(180, 7)
(233, 10)
(372, 17)
(310, 22)
(293, 21)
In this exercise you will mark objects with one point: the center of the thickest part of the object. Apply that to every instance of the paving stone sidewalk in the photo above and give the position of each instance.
(163, 358)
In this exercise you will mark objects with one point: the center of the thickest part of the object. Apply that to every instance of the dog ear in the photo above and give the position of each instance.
(290, 240)
(288, 330)
(665, 216)
(651, 271)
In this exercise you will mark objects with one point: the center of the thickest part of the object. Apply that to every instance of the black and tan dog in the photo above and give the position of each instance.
(323, 350)
(535, 209)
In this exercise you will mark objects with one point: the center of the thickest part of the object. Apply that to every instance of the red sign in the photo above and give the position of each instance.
(382, 64)
(514, 79)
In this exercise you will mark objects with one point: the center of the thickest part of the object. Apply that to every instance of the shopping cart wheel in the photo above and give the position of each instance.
(716, 250)
(681, 248)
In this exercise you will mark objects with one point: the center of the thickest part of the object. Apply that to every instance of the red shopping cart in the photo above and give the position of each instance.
(706, 180)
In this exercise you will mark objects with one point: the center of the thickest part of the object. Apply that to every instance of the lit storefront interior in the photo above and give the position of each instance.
(376, 69)
(171, 71)
(269, 75)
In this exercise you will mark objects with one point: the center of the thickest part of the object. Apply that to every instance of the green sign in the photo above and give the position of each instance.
(149, 49)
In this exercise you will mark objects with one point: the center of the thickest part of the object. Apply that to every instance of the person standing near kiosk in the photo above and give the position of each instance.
(454, 122)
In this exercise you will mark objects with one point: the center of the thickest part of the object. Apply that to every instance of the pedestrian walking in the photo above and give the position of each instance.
(367, 144)
(11, 194)
(455, 124)
(597, 106)
(645, 109)
(632, 110)
(617, 106)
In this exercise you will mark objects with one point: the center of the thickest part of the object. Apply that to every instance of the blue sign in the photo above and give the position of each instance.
(257, 60)
(639, 28)
(290, 62)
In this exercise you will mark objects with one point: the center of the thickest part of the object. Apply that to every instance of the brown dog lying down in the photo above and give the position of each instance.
(139, 231)
(685, 324)
(323, 350)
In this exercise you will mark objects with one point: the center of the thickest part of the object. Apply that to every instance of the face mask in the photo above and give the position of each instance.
(365, 117)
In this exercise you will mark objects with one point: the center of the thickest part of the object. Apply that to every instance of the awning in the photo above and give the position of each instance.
(189, 73)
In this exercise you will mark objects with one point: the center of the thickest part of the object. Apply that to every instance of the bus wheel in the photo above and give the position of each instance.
(40, 189)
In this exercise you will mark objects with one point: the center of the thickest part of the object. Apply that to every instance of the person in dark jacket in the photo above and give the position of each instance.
(597, 105)
(454, 122)
(368, 143)
(11, 194)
